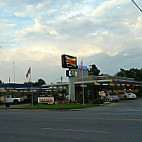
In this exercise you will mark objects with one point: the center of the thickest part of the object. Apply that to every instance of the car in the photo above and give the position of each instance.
(11, 99)
(112, 97)
(127, 95)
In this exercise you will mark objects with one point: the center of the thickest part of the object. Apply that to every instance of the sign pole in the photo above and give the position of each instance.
(71, 88)
(82, 82)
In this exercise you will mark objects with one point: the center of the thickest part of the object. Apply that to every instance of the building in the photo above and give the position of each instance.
(89, 86)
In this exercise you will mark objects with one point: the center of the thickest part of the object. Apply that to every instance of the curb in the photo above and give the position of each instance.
(105, 103)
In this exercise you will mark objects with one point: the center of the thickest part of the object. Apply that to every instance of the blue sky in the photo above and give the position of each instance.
(36, 33)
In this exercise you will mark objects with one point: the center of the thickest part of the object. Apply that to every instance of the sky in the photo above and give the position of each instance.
(35, 33)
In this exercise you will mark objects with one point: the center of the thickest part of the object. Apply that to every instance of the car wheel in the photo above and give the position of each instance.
(107, 100)
(125, 98)
(15, 101)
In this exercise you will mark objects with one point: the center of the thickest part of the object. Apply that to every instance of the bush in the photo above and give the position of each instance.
(98, 101)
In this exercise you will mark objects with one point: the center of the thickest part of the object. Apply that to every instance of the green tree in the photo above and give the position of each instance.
(40, 82)
(94, 70)
(132, 73)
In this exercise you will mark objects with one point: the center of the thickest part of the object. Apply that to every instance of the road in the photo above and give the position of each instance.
(117, 122)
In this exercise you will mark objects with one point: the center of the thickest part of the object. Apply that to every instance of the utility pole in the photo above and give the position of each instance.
(61, 79)
(14, 70)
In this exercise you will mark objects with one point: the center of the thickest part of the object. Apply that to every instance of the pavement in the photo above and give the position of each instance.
(116, 122)
(12, 105)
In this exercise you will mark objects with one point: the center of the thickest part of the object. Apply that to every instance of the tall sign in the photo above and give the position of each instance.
(69, 62)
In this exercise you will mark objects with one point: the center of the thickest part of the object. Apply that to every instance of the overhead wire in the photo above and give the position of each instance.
(137, 5)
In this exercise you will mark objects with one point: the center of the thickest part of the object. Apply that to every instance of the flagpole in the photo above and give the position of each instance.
(30, 82)
(31, 86)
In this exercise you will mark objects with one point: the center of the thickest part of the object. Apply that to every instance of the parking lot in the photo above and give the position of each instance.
(121, 121)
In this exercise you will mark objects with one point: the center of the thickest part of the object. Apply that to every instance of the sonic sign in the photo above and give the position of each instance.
(69, 62)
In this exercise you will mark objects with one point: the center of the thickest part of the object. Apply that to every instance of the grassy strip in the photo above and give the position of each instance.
(57, 106)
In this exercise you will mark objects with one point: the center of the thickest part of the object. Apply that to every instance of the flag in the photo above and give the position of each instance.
(29, 72)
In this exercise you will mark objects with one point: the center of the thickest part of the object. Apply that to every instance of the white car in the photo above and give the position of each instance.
(11, 99)
(125, 95)
(112, 97)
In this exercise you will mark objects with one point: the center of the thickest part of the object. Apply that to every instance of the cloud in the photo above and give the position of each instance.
(74, 25)
(67, 5)
(52, 12)
(107, 7)
(6, 24)
(20, 14)
(37, 33)
(137, 27)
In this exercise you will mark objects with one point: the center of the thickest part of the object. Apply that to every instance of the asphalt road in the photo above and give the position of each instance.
(117, 122)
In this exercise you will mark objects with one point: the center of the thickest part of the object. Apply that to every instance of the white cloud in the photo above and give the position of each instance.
(138, 25)
(6, 24)
(107, 7)
(67, 5)
(52, 12)
(90, 29)
(126, 54)
(20, 14)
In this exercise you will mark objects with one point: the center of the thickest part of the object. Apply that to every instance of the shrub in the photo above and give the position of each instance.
(98, 101)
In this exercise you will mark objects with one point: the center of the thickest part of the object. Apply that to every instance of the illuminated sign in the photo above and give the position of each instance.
(46, 100)
(69, 62)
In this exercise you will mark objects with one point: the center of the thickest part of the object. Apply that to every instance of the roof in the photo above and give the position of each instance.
(25, 86)
(106, 81)
(15, 85)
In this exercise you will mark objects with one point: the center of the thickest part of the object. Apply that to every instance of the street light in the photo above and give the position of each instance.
(14, 70)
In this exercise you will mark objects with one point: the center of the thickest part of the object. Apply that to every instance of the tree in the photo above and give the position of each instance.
(132, 73)
(40, 82)
(94, 70)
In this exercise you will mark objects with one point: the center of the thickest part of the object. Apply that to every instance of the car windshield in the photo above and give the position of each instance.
(121, 92)
(113, 94)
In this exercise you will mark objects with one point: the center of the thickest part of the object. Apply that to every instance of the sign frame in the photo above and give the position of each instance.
(69, 61)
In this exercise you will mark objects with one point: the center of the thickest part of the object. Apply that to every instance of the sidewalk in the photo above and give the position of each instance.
(12, 105)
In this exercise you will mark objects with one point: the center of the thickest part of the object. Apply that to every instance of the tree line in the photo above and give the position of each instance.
(131, 73)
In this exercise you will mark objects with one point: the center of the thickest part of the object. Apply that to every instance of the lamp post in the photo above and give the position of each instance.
(14, 70)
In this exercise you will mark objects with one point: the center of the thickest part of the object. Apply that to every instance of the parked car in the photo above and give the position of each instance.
(10, 99)
(112, 97)
(127, 95)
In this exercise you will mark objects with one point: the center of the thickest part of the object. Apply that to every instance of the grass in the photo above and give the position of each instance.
(56, 106)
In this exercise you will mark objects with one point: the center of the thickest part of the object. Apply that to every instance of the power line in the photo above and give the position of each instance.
(137, 5)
